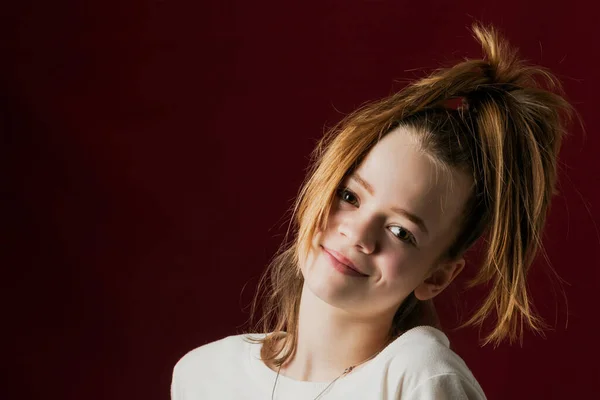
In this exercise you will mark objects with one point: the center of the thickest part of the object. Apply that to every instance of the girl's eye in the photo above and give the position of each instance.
(402, 234)
(348, 196)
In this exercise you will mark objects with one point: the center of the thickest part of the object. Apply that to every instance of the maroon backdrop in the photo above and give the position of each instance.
(151, 148)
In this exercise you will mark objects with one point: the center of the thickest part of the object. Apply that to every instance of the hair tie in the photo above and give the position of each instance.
(459, 103)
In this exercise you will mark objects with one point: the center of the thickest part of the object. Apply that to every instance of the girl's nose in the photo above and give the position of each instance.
(360, 233)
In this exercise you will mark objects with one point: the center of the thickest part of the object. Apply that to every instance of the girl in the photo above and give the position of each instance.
(397, 193)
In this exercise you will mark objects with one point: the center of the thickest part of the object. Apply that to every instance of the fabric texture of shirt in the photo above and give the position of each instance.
(418, 365)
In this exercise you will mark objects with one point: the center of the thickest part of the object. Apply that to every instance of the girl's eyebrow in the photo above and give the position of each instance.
(415, 219)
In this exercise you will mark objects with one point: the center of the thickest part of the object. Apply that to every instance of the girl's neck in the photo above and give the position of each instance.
(329, 341)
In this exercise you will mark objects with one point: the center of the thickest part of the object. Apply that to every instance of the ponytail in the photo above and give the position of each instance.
(519, 124)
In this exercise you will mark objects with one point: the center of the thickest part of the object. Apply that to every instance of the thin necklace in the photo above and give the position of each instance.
(346, 371)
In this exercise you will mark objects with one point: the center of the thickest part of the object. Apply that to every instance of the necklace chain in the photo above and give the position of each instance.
(346, 371)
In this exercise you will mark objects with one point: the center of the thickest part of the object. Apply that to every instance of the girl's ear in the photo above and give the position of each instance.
(438, 279)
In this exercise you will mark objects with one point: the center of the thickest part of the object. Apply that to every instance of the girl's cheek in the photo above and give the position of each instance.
(394, 266)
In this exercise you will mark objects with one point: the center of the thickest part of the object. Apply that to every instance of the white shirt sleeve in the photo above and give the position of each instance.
(446, 387)
(175, 392)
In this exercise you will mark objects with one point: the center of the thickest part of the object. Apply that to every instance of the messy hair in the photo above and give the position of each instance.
(506, 133)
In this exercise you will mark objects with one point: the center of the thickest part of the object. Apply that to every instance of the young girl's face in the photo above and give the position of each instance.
(392, 218)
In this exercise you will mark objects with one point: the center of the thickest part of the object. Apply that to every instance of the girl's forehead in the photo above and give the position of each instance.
(402, 175)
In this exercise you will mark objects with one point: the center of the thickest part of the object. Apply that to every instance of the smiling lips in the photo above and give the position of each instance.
(342, 264)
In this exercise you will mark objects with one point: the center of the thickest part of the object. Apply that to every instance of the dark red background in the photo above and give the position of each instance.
(151, 148)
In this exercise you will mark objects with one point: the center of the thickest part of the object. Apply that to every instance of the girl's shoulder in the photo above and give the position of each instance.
(218, 369)
(421, 359)
(221, 350)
